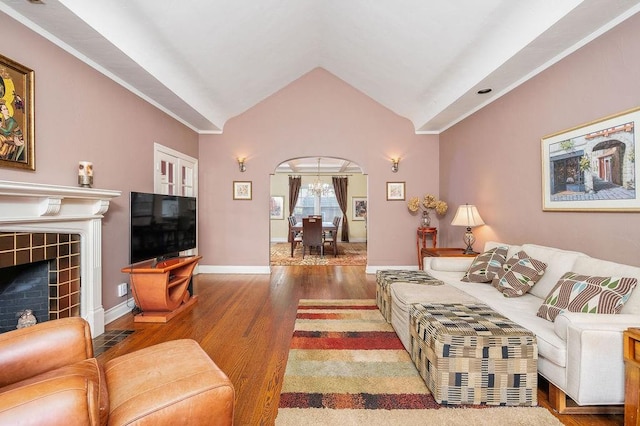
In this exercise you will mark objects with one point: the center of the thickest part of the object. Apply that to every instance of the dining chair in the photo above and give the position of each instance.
(292, 222)
(312, 235)
(330, 237)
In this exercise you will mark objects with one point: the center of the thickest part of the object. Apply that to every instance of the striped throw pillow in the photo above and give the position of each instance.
(520, 273)
(583, 293)
(486, 266)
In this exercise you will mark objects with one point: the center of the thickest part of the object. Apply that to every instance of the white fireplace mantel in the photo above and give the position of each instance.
(32, 207)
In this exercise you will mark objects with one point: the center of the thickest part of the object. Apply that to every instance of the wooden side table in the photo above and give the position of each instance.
(421, 240)
(631, 341)
(445, 252)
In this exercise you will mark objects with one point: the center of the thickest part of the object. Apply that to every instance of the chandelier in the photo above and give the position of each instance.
(318, 188)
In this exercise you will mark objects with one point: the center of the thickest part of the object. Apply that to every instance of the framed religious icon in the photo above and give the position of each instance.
(17, 146)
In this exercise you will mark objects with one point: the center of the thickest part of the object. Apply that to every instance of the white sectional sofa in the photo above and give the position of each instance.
(580, 354)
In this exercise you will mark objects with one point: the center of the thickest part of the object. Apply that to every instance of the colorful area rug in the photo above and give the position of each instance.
(349, 254)
(347, 366)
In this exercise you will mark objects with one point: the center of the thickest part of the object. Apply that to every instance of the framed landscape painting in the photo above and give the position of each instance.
(17, 146)
(592, 167)
(359, 206)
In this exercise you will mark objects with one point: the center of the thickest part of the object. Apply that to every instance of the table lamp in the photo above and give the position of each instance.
(467, 215)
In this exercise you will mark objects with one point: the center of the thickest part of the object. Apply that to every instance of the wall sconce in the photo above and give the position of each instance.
(394, 167)
(241, 165)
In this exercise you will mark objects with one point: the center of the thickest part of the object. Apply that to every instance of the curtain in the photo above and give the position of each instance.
(295, 182)
(340, 188)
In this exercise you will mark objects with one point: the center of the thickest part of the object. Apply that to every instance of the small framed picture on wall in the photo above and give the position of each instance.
(276, 207)
(359, 206)
(241, 190)
(395, 191)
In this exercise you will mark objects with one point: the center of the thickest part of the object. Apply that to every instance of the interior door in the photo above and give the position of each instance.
(175, 173)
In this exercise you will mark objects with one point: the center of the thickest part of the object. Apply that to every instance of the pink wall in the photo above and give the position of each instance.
(492, 159)
(83, 115)
(316, 115)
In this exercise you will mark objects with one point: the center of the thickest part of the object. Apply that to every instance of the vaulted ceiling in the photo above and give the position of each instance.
(205, 61)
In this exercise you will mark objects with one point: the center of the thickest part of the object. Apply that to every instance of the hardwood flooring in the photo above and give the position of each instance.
(245, 323)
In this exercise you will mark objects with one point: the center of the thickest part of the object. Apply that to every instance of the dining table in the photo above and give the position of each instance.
(326, 227)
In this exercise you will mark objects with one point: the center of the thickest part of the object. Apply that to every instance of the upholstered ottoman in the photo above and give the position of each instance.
(470, 354)
(171, 383)
(384, 279)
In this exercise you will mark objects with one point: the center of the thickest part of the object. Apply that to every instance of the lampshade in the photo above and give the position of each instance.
(467, 215)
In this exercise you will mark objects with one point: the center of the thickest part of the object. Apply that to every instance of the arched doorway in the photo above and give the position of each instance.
(316, 196)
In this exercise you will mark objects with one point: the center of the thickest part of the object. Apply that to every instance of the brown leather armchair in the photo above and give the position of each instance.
(48, 375)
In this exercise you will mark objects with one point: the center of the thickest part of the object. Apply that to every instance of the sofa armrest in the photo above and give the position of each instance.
(593, 342)
(596, 322)
(447, 264)
(43, 347)
(59, 400)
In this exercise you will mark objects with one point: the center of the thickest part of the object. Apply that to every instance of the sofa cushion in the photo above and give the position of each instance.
(486, 266)
(589, 294)
(520, 273)
(558, 262)
(512, 249)
(523, 311)
(403, 295)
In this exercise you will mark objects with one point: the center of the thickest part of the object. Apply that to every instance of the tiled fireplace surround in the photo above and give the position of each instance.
(36, 219)
(62, 253)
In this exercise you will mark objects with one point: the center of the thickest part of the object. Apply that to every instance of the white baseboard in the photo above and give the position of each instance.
(230, 269)
(117, 311)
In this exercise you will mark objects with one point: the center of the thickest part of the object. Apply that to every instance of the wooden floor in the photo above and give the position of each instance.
(245, 323)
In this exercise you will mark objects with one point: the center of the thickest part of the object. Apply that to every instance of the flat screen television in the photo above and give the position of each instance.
(161, 226)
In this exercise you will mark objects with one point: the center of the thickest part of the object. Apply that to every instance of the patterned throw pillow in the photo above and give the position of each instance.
(486, 266)
(583, 293)
(519, 274)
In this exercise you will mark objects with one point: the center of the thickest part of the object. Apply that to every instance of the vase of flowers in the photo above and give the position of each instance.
(426, 205)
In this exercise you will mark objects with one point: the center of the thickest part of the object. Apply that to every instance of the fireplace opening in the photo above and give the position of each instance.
(24, 287)
(55, 260)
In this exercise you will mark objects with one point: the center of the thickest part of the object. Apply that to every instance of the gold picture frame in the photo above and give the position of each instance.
(592, 167)
(17, 144)
(242, 190)
(395, 191)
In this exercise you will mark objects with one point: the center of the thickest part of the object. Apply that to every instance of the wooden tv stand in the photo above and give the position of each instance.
(161, 290)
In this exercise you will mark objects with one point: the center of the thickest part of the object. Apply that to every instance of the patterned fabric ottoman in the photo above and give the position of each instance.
(384, 279)
(470, 354)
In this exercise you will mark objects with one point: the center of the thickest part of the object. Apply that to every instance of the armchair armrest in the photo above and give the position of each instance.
(57, 400)
(43, 347)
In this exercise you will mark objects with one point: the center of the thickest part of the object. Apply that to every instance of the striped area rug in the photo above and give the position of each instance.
(347, 366)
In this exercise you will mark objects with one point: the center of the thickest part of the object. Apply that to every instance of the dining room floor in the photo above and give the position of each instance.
(349, 254)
